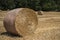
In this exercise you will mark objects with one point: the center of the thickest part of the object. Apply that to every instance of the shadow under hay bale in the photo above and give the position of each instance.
(10, 34)
(21, 21)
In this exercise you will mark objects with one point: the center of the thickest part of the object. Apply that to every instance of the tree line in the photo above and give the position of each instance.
(45, 5)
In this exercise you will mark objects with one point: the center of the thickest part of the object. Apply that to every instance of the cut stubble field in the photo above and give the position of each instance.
(48, 28)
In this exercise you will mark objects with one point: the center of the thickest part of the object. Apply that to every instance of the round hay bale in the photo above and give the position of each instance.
(39, 12)
(21, 21)
(0, 10)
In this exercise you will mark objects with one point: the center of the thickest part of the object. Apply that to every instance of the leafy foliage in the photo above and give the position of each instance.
(46, 5)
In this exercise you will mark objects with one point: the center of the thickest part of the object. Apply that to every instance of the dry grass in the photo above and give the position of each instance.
(48, 28)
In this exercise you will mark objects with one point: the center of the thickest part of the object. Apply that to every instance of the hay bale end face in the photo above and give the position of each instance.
(21, 21)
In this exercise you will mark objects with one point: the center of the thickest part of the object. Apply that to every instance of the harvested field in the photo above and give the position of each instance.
(48, 28)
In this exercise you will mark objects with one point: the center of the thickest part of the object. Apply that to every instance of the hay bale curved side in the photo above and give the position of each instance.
(22, 21)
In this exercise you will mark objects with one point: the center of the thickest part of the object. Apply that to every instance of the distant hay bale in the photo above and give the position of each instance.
(0, 10)
(39, 12)
(21, 21)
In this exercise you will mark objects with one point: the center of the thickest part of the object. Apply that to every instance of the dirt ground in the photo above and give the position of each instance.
(48, 28)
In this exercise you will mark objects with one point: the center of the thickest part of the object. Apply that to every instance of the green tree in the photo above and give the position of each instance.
(7, 4)
(46, 5)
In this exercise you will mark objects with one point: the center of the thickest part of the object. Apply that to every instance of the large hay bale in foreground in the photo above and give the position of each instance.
(22, 21)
